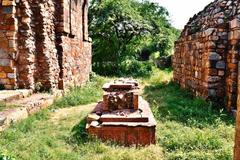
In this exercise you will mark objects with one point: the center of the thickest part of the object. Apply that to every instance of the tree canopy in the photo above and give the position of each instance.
(127, 29)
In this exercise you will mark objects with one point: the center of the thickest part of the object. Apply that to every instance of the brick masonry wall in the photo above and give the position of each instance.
(210, 44)
(234, 44)
(205, 60)
(237, 136)
(44, 42)
(197, 65)
(232, 63)
(47, 60)
(74, 44)
(76, 61)
(26, 48)
(37, 54)
(8, 50)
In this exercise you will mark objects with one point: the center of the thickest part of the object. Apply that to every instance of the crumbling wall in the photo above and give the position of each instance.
(44, 43)
(232, 63)
(26, 49)
(46, 55)
(8, 50)
(37, 55)
(205, 60)
(234, 36)
(74, 44)
(197, 65)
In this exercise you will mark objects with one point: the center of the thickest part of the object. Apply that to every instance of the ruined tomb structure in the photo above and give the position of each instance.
(206, 59)
(206, 54)
(123, 116)
(44, 42)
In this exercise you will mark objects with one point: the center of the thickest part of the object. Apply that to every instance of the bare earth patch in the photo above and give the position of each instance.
(64, 113)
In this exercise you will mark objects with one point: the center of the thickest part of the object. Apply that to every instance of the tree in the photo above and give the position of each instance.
(123, 29)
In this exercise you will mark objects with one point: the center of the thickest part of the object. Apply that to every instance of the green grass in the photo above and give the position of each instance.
(40, 137)
(188, 128)
(89, 93)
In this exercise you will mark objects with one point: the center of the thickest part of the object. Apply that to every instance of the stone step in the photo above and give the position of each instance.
(27, 106)
(10, 95)
(35, 102)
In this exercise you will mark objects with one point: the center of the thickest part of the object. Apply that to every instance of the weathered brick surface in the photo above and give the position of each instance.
(75, 48)
(126, 135)
(122, 116)
(120, 94)
(44, 42)
(237, 136)
(207, 55)
(8, 35)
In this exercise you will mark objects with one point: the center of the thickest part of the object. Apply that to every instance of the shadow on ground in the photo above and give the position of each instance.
(78, 133)
(170, 102)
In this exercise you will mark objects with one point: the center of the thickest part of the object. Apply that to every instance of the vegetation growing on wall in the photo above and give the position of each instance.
(127, 32)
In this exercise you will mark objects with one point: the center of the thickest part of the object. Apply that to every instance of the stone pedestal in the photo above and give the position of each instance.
(126, 127)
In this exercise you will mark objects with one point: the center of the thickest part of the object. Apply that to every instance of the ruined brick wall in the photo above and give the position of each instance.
(73, 41)
(234, 44)
(44, 42)
(8, 34)
(37, 55)
(193, 61)
(205, 60)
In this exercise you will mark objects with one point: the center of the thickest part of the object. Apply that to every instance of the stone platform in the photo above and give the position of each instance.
(26, 104)
(9, 95)
(127, 127)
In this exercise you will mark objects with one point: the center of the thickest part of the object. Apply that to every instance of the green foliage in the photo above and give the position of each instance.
(129, 67)
(89, 93)
(135, 68)
(128, 29)
(6, 156)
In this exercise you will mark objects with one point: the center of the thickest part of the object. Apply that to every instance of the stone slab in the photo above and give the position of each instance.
(118, 119)
(27, 106)
(9, 95)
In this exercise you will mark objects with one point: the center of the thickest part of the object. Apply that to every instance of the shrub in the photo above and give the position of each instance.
(5, 156)
(135, 68)
(89, 93)
(126, 68)
(129, 28)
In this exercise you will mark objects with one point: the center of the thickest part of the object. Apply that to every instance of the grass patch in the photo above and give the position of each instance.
(41, 137)
(89, 93)
(188, 128)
